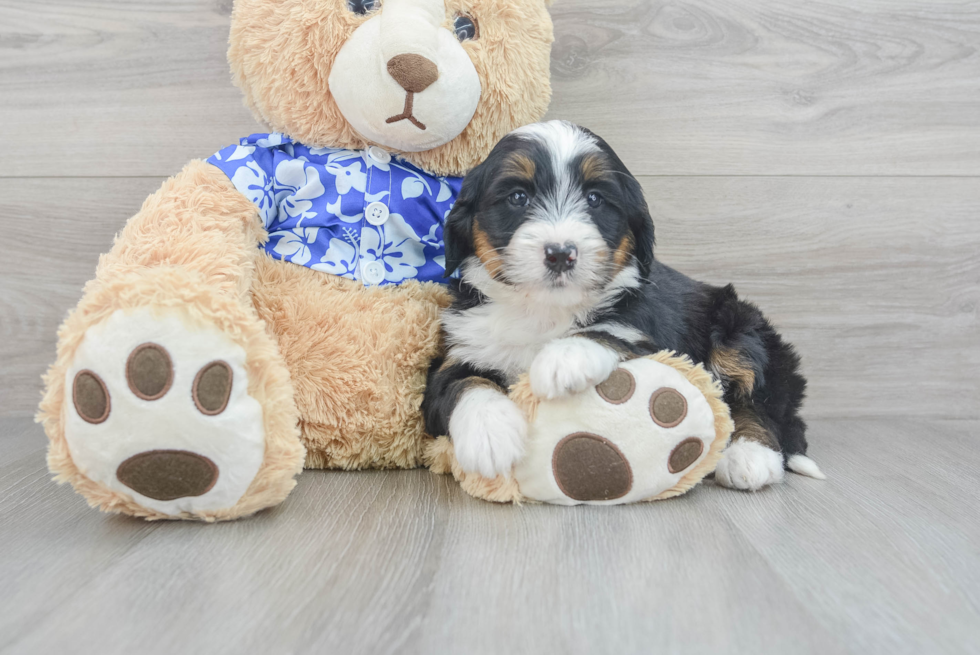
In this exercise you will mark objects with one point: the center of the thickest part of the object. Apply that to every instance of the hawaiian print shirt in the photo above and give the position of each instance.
(362, 215)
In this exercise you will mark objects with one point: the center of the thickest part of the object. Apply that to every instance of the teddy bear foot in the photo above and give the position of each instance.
(651, 429)
(159, 414)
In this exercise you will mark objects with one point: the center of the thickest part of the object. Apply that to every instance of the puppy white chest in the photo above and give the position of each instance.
(503, 338)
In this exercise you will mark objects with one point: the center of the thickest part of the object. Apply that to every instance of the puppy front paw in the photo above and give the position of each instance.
(568, 366)
(488, 432)
(749, 465)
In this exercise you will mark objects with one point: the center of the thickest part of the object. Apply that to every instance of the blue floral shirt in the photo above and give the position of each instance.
(363, 215)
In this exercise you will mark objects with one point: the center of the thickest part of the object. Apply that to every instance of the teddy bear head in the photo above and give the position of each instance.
(440, 81)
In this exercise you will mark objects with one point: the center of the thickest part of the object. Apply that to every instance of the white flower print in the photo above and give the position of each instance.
(301, 194)
(297, 184)
(348, 177)
(241, 152)
(271, 140)
(255, 185)
(397, 246)
(340, 259)
(294, 244)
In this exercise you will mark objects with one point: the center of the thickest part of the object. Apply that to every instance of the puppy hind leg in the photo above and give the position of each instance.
(753, 459)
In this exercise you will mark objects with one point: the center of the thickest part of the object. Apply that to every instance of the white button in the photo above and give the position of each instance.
(376, 213)
(379, 155)
(374, 273)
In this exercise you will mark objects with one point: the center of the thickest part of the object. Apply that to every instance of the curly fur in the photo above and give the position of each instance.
(286, 86)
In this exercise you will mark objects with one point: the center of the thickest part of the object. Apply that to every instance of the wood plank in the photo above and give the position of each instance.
(62, 225)
(738, 87)
(701, 87)
(877, 281)
(879, 557)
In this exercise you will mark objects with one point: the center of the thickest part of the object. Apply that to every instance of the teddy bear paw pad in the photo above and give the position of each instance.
(631, 437)
(160, 412)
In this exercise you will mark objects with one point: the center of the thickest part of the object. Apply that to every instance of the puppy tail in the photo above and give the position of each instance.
(805, 466)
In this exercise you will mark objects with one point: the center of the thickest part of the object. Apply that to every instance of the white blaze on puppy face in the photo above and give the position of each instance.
(559, 215)
(368, 95)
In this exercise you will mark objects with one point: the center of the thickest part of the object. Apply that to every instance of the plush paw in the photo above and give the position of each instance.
(160, 412)
(568, 366)
(647, 431)
(749, 465)
(488, 432)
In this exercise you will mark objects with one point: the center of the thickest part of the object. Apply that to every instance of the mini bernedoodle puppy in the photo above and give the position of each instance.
(554, 242)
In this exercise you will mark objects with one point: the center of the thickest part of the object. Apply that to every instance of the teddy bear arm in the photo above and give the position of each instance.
(197, 221)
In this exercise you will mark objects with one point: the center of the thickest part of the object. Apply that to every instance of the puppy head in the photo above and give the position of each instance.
(552, 213)
(438, 80)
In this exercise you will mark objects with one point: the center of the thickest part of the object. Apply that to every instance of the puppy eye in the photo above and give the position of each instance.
(465, 27)
(362, 7)
(518, 199)
(594, 199)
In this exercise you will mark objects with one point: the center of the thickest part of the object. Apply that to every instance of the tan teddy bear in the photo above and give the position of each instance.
(278, 303)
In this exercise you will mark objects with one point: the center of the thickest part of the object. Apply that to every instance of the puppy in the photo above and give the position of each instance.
(554, 242)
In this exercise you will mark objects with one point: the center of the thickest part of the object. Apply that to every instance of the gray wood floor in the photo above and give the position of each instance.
(823, 156)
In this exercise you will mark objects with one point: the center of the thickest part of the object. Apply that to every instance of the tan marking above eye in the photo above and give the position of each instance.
(90, 397)
(593, 168)
(684, 454)
(618, 387)
(521, 166)
(212, 388)
(668, 407)
(149, 371)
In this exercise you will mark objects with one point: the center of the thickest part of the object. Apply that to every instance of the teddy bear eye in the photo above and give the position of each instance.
(465, 27)
(363, 6)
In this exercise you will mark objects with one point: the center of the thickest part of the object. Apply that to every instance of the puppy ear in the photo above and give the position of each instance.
(458, 232)
(640, 222)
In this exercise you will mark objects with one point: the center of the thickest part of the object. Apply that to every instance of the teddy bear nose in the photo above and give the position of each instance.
(413, 72)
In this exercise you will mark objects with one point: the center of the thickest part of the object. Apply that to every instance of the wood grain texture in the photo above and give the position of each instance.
(877, 281)
(770, 138)
(883, 87)
(880, 558)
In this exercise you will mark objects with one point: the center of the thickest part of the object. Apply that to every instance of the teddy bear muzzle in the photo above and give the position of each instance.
(404, 81)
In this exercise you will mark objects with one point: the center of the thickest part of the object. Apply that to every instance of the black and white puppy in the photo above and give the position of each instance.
(555, 244)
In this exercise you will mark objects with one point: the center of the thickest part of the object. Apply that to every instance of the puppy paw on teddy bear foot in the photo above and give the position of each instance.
(159, 418)
(651, 429)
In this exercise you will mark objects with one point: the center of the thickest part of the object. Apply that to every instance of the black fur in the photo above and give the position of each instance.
(671, 310)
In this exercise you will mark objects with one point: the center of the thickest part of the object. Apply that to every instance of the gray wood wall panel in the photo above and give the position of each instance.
(890, 87)
(877, 281)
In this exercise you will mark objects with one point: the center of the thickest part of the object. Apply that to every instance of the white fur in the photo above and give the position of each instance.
(568, 366)
(803, 465)
(564, 140)
(368, 95)
(749, 465)
(507, 333)
(627, 333)
(488, 432)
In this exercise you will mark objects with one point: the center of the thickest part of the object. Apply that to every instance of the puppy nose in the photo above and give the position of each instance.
(413, 72)
(560, 258)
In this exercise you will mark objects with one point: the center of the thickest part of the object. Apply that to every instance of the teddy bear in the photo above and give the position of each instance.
(276, 305)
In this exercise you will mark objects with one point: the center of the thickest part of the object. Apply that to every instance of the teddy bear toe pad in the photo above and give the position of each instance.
(161, 413)
(630, 438)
